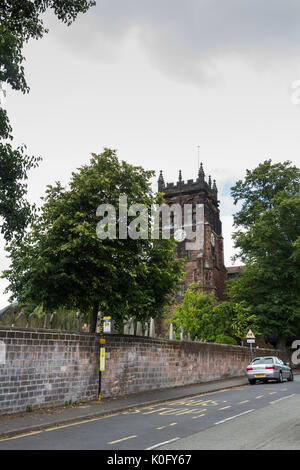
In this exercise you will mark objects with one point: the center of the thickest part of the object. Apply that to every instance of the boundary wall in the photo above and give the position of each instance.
(44, 368)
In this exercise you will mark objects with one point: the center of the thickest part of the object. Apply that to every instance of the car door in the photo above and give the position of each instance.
(277, 366)
(283, 368)
(286, 371)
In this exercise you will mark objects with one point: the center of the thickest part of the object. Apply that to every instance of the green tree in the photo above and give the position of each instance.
(62, 262)
(237, 317)
(21, 20)
(194, 314)
(267, 236)
(203, 316)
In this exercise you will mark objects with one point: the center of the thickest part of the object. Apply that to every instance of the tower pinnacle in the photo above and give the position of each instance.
(161, 182)
(201, 173)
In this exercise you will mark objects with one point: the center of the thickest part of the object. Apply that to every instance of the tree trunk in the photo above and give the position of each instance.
(281, 342)
(93, 317)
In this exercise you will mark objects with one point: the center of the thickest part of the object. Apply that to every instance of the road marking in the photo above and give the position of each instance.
(210, 403)
(187, 411)
(259, 396)
(31, 433)
(163, 427)
(183, 402)
(224, 408)
(123, 439)
(241, 402)
(176, 402)
(163, 443)
(203, 409)
(155, 411)
(282, 398)
(196, 417)
(131, 412)
(57, 427)
(193, 402)
(175, 411)
(170, 411)
(272, 393)
(232, 417)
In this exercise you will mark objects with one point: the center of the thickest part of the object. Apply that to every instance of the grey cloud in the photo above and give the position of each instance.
(186, 38)
(206, 22)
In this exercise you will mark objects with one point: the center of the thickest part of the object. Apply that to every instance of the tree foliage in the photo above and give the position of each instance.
(267, 236)
(62, 262)
(201, 315)
(21, 20)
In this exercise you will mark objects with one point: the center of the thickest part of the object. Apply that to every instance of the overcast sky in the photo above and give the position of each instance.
(156, 78)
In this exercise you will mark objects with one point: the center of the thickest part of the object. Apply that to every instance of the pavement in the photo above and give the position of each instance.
(46, 418)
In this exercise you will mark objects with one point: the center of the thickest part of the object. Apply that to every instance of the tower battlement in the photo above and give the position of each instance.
(200, 185)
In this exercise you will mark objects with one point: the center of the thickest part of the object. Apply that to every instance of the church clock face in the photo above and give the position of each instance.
(180, 235)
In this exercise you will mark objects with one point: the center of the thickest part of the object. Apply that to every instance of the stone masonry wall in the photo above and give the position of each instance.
(136, 364)
(44, 368)
(41, 368)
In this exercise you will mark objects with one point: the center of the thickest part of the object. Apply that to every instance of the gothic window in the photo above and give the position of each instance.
(194, 216)
(180, 250)
(172, 219)
(213, 253)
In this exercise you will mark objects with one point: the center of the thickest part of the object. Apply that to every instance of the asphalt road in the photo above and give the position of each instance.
(263, 416)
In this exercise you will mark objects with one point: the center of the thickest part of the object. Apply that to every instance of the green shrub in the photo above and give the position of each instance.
(224, 339)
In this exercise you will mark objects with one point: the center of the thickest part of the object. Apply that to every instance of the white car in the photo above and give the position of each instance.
(268, 368)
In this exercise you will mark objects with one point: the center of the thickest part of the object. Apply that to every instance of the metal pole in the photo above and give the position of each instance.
(99, 388)
(102, 341)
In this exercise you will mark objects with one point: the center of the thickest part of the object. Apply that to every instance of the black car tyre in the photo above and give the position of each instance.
(280, 380)
(251, 381)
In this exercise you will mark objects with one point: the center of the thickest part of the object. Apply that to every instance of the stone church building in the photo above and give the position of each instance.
(205, 264)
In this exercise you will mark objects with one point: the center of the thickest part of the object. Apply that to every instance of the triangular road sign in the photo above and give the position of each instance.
(250, 335)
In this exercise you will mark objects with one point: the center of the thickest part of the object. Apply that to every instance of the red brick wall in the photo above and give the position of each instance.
(42, 368)
(46, 367)
(136, 364)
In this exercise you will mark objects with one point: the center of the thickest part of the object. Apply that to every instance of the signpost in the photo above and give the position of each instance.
(106, 324)
(101, 359)
(250, 339)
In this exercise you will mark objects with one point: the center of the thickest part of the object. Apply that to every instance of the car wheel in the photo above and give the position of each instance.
(291, 377)
(280, 380)
(251, 381)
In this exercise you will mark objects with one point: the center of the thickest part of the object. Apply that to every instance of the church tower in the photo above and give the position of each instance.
(206, 263)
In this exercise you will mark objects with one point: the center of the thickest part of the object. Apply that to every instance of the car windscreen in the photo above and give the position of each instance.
(263, 360)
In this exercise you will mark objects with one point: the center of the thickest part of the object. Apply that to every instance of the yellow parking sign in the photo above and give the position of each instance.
(102, 359)
(106, 324)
